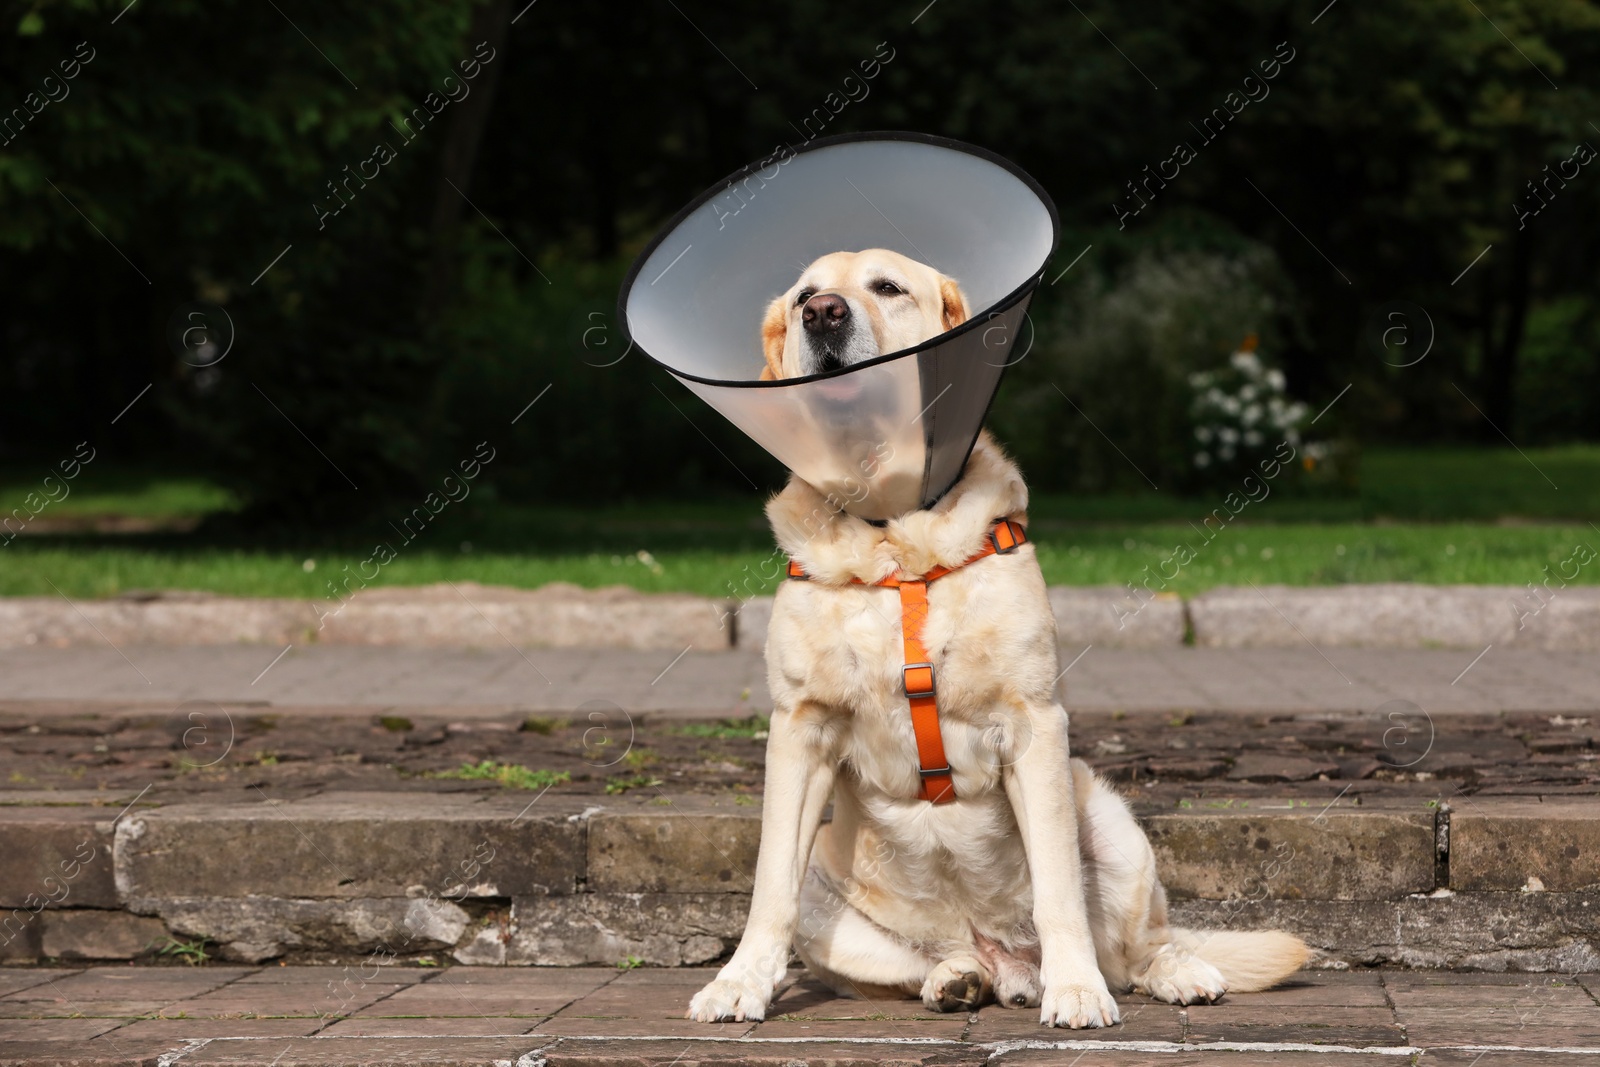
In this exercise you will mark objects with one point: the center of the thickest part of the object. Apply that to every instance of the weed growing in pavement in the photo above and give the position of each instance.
(191, 952)
(535, 724)
(510, 775)
(755, 728)
(618, 786)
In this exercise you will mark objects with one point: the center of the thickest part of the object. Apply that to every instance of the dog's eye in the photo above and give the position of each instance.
(804, 295)
(887, 288)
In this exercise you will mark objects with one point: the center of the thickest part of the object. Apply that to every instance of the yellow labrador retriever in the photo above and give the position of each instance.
(1034, 886)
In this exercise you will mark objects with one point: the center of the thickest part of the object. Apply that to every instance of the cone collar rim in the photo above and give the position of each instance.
(1005, 303)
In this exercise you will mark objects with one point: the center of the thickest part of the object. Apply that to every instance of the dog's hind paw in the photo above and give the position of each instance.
(728, 1001)
(955, 985)
(1018, 989)
(1180, 977)
(1079, 1007)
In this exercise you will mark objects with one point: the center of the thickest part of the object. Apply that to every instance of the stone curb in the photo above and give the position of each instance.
(1399, 615)
(169, 619)
(468, 615)
(461, 616)
(503, 879)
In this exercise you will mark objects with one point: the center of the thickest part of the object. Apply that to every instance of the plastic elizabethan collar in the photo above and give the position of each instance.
(891, 434)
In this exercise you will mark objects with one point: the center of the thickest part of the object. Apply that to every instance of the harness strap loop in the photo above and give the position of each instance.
(921, 689)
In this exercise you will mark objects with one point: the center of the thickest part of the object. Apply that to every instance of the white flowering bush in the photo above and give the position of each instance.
(1241, 413)
(1101, 403)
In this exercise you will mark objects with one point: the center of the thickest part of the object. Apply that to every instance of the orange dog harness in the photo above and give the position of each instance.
(917, 675)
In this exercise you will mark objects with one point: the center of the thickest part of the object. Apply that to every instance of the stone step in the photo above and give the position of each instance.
(1490, 883)
(559, 615)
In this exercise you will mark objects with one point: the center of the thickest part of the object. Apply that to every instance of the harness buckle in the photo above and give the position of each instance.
(936, 772)
(1010, 535)
(918, 687)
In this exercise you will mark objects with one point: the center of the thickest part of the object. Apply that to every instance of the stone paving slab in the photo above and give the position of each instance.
(62, 845)
(1071, 1055)
(370, 1052)
(1504, 1058)
(51, 1029)
(1329, 853)
(690, 683)
(210, 850)
(1142, 1020)
(15, 981)
(436, 1026)
(1491, 843)
(174, 1033)
(596, 1052)
(605, 1016)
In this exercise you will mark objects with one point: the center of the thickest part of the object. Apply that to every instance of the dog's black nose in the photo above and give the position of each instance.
(824, 313)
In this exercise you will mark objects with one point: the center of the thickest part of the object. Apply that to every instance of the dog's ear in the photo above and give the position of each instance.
(774, 332)
(955, 303)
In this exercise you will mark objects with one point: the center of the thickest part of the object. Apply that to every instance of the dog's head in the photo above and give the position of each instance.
(849, 307)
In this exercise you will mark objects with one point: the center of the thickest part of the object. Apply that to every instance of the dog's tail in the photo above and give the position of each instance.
(1250, 961)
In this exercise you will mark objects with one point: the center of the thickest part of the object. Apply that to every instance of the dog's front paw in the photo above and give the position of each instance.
(727, 1000)
(1079, 1006)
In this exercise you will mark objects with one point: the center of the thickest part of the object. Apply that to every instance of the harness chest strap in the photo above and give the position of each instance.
(917, 676)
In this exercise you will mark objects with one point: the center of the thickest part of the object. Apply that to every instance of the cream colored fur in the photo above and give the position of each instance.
(1035, 887)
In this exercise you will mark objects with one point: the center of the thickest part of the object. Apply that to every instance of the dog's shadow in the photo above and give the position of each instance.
(807, 996)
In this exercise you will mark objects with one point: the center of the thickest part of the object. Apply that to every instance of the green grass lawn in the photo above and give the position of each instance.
(103, 489)
(1437, 516)
(1417, 485)
(1443, 484)
(1288, 553)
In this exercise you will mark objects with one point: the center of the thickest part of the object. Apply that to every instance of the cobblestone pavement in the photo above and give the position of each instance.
(697, 684)
(106, 752)
(523, 1017)
(1166, 724)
